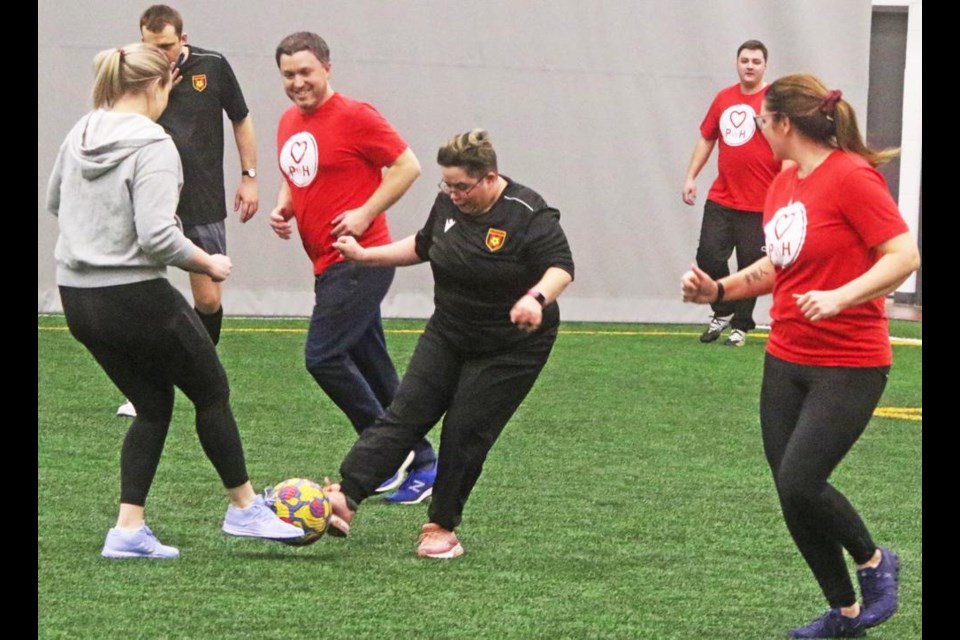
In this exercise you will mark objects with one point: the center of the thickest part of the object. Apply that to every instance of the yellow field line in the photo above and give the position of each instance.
(914, 414)
(900, 342)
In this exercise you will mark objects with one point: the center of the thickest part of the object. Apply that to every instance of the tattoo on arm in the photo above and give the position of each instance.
(757, 275)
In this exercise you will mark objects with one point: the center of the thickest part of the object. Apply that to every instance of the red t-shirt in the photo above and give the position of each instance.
(332, 160)
(745, 163)
(820, 234)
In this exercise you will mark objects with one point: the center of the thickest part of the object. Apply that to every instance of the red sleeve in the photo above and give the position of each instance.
(868, 206)
(378, 141)
(710, 127)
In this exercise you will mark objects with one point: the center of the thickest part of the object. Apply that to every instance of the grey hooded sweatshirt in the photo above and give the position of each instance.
(114, 188)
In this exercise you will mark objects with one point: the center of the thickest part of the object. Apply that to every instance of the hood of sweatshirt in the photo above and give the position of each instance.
(104, 139)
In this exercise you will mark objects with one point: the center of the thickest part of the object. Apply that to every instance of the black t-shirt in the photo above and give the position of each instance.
(482, 264)
(194, 119)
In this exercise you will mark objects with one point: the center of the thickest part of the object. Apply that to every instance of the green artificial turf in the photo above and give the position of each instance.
(628, 498)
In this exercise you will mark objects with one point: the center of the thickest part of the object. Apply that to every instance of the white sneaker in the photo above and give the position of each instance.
(714, 329)
(396, 479)
(127, 410)
(258, 521)
(136, 544)
(737, 338)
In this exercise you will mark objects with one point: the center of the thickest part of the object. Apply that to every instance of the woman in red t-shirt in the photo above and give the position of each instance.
(836, 245)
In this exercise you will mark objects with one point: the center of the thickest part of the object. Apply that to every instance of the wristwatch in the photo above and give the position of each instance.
(250, 173)
(536, 295)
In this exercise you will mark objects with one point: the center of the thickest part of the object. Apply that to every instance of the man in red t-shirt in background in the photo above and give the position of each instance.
(733, 213)
(332, 151)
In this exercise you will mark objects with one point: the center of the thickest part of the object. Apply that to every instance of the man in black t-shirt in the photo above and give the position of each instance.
(206, 87)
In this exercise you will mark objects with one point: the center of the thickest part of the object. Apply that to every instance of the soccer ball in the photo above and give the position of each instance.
(302, 503)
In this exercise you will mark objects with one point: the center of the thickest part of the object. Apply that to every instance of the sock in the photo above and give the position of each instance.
(423, 456)
(212, 323)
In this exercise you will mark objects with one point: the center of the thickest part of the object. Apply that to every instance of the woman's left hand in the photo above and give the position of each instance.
(527, 314)
(819, 305)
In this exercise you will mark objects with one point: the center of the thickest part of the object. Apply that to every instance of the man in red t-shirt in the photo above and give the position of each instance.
(332, 151)
(732, 215)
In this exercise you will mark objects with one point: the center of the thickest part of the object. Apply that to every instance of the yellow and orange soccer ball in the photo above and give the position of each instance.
(302, 503)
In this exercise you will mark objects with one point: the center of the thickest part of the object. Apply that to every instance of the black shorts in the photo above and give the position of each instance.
(212, 237)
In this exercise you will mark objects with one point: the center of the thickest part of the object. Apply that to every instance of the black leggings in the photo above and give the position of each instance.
(811, 416)
(475, 395)
(148, 340)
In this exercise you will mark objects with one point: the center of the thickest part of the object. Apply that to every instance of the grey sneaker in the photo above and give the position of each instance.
(714, 329)
(136, 544)
(737, 338)
(258, 521)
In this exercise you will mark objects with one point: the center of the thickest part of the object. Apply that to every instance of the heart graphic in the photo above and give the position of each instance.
(738, 118)
(783, 223)
(298, 150)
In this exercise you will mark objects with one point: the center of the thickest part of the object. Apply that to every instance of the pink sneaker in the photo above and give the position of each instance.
(437, 542)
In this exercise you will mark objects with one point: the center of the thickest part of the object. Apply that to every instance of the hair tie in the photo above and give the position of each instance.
(829, 104)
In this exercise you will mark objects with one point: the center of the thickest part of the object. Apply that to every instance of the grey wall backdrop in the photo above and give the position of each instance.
(594, 104)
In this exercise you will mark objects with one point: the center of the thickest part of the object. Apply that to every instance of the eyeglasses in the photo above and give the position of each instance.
(761, 121)
(459, 187)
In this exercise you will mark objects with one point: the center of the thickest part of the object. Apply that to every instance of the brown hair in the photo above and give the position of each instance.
(303, 41)
(128, 69)
(751, 45)
(821, 115)
(471, 151)
(156, 18)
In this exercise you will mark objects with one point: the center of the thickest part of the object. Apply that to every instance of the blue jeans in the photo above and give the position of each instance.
(346, 352)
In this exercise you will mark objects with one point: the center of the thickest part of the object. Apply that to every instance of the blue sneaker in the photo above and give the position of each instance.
(417, 487)
(136, 544)
(396, 479)
(258, 521)
(878, 587)
(832, 624)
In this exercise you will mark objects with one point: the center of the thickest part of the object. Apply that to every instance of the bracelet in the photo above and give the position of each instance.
(720, 293)
(539, 297)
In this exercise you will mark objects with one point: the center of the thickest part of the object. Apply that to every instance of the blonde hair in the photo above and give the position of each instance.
(128, 69)
(821, 115)
(471, 151)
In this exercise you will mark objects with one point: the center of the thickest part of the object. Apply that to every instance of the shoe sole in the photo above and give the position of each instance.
(399, 475)
(455, 552)
(119, 555)
(734, 344)
(247, 533)
(126, 413)
(707, 339)
(423, 496)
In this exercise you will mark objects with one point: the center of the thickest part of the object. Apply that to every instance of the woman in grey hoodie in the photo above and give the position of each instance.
(114, 189)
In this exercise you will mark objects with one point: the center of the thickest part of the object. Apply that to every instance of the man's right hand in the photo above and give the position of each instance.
(280, 222)
(689, 193)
